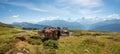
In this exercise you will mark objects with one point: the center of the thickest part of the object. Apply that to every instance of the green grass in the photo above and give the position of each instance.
(88, 44)
(80, 42)
(93, 33)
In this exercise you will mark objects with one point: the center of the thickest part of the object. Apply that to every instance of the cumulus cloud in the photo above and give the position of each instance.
(103, 18)
(15, 16)
(63, 18)
(107, 17)
(86, 19)
(112, 16)
(91, 19)
(82, 8)
(51, 18)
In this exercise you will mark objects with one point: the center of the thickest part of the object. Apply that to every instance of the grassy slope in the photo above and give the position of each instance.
(81, 42)
(88, 45)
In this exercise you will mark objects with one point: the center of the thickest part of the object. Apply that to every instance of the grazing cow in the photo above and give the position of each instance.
(65, 32)
(53, 33)
(48, 33)
(58, 32)
(42, 32)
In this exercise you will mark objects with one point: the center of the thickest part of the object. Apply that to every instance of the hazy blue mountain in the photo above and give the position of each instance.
(108, 25)
(5, 25)
(28, 25)
(62, 23)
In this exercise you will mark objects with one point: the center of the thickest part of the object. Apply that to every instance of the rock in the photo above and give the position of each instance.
(23, 37)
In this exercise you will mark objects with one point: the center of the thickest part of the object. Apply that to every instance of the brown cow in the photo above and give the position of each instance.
(50, 33)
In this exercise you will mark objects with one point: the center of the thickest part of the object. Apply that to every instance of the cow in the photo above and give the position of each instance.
(65, 32)
(51, 33)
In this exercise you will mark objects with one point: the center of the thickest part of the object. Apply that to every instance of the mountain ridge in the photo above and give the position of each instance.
(108, 25)
(62, 23)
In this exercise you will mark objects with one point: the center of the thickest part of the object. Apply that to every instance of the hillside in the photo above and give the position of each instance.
(29, 25)
(5, 25)
(80, 42)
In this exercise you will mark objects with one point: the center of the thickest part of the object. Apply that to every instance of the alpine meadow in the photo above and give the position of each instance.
(59, 27)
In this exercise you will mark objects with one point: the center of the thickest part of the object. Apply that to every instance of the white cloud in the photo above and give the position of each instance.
(103, 18)
(27, 5)
(108, 17)
(83, 7)
(15, 16)
(86, 19)
(51, 18)
(64, 10)
(89, 12)
(112, 16)
(47, 8)
(56, 18)
(85, 3)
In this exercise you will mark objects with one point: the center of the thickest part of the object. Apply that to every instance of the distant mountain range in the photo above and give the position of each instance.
(108, 25)
(28, 25)
(62, 23)
(48, 23)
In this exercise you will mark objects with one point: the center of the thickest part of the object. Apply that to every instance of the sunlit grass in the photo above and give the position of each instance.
(80, 42)
(87, 44)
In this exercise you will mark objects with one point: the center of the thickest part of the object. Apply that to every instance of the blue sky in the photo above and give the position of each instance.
(82, 11)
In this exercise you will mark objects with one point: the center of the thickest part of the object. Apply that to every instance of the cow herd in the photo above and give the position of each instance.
(48, 33)
(53, 33)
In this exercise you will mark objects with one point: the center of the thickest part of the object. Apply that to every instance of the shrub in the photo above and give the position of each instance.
(51, 43)
(5, 48)
(35, 41)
